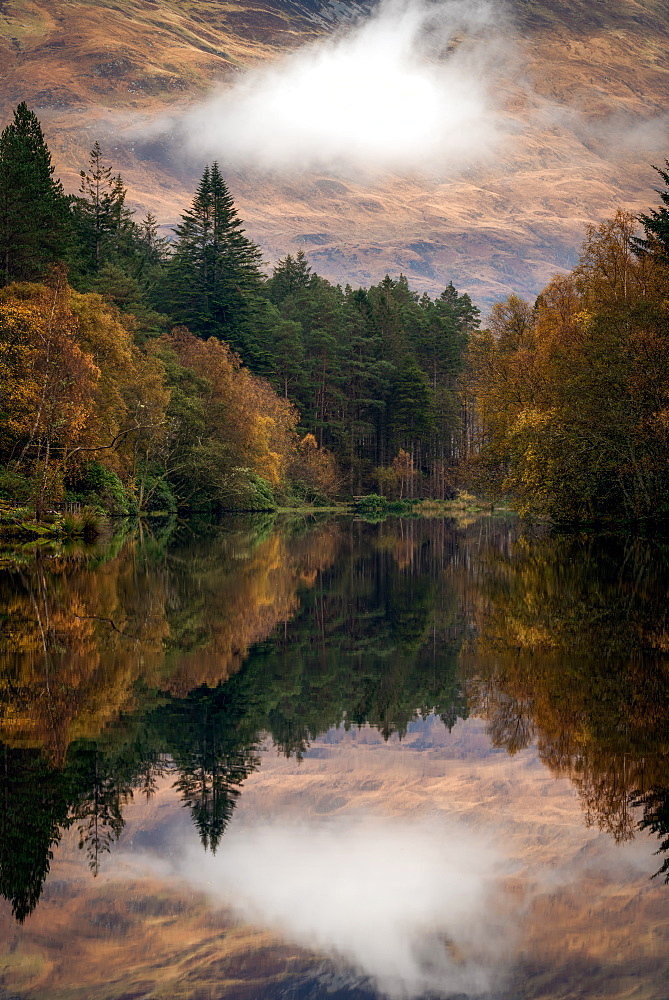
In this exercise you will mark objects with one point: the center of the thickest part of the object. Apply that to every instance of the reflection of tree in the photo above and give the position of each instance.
(374, 638)
(570, 648)
(78, 640)
(102, 784)
(34, 805)
(213, 753)
(655, 803)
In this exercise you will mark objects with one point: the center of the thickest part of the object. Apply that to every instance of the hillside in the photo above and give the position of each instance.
(584, 103)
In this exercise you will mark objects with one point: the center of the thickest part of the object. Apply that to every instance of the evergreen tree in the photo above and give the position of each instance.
(656, 223)
(35, 805)
(411, 404)
(34, 221)
(289, 275)
(214, 278)
(104, 224)
(287, 356)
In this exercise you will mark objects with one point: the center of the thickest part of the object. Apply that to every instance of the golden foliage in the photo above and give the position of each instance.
(572, 397)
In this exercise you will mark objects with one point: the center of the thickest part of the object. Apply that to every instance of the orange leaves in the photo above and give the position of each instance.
(50, 374)
(242, 412)
(73, 383)
(572, 396)
(131, 391)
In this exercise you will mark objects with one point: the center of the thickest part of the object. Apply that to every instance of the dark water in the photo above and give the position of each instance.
(342, 760)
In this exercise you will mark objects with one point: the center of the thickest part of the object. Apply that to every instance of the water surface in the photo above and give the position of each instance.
(338, 759)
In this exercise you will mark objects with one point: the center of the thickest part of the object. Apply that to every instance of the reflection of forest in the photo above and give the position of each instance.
(112, 675)
(180, 661)
(570, 648)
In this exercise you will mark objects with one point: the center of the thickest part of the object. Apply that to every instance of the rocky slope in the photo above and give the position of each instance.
(587, 103)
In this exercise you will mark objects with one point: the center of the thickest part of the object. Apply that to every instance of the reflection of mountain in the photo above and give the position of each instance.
(589, 101)
(375, 638)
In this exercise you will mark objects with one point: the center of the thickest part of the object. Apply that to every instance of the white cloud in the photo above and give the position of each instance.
(410, 904)
(411, 87)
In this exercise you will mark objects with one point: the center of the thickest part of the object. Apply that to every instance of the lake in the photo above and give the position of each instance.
(336, 759)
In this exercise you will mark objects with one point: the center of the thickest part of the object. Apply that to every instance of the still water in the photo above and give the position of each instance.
(336, 760)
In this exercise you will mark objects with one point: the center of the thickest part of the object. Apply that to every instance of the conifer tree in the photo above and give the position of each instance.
(104, 223)
(289, 275)
(411, 404)
(656, 223)
(34, 222)
(214, 274)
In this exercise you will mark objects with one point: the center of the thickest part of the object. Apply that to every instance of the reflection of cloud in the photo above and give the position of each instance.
(410, 904)
(411, 86)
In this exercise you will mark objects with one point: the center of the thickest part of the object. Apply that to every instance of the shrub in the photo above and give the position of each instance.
(372, 503)
(100, 487)
(14, 487)
(159, 497)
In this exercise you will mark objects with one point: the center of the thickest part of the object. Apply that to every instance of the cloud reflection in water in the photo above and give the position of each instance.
(413, 905)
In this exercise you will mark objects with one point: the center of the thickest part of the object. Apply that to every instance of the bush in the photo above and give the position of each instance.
(87, 525)
(99, 486)
(373, 503)
(14, 487)
(159, 497)
(259, 494)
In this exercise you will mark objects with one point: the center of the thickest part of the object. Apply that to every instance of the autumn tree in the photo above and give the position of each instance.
(572, 400)
(232, 437)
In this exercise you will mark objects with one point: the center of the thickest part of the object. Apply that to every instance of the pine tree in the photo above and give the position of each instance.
(411, 404)
(214, 274)
(105, 228)
(289, 275)
(34, 219)
(656, 223)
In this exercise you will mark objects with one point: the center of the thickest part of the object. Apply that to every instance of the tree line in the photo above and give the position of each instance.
(175, 372)
(144, 372)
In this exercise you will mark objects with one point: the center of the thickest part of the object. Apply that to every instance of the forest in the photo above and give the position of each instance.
(140, 373)
(144, 374)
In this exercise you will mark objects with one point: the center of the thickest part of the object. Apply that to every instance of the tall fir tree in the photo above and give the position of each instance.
(34, 216)
(214, 276)
(289, 275)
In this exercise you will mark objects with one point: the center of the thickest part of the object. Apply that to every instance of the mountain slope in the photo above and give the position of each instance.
(588, 107)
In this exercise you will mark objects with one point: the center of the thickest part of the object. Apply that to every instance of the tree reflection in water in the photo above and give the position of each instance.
(182, 660)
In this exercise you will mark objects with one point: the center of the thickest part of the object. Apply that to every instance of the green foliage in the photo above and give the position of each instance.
(34, 221)
(158, 496)
(15, 487)
(656, 221)
(370, 371)
(375, 507)
(96, 485)
(412, 405)
(213, 275)
(103, 224)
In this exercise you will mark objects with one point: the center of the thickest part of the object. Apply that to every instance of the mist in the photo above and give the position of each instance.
(411, 905)
(412, 87)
